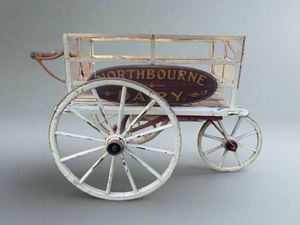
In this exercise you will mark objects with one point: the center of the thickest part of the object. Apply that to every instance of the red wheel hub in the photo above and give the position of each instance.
(231, 145)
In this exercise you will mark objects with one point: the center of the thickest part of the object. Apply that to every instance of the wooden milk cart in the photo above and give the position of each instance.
(128, 106)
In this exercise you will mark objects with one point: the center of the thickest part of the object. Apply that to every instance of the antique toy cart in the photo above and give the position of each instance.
(116, 134)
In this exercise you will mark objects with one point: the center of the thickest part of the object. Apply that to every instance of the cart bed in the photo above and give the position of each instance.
(212, 106)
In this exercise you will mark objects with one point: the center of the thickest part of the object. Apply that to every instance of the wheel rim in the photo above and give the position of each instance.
(108, 143)
(232, 148)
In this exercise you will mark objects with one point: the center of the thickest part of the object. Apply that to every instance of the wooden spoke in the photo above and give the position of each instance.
(161, 128)
(230, 139)
(110, 176)
(71, 109)
(139, 117)
(247, 147)
(79, 154)
(147, 117)
(128, 173)
(213, 137)
(130, 121)
(93, 168)
(143, 163)
(99, 124)
(110, 116)
(151, 149)
(121, 111)
(61, 133)
(238, 158)
(109, 132)
(246, 135)
(102, 110)
(223, 129)
(218, 128)
(213, 150)
(223, 158)
(237, 125)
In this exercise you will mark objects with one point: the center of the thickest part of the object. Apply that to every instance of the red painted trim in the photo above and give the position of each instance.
(150, 123)
(232, 146)
(194, 118)
(180, 119)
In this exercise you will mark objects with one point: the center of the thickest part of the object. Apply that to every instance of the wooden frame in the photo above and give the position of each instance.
(104, 104)
(226, 69)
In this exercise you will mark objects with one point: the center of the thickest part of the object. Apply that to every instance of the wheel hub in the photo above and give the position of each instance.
(115, 145)
(230, 144)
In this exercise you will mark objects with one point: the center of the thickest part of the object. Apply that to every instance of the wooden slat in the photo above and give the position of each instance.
(146, 57)
(147, 37)
(158, 60)
(213, 101)
(228, 78)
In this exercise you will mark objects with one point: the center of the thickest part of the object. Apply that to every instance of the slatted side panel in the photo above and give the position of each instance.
(223, 57)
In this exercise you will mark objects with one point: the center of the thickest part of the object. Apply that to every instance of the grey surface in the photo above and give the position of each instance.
(33, 191)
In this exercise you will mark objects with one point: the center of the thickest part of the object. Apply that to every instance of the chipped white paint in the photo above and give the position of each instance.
(142, 134)
(255, 148)
(102, 111)
(84, 101)
(211, 59)
(83, 181)
(67, 134)
(139, 117)
(121, 110)
(132, 183)
(152, 149)
(111, 175)
(144, 164)
(88, 173)
(82, 153)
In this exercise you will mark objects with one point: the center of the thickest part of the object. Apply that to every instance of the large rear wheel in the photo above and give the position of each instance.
(101, 158)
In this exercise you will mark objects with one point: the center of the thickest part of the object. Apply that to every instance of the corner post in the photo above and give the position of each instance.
(67, 62)
(237, 70)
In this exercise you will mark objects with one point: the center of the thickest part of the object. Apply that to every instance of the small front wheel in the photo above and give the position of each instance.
(229, 144)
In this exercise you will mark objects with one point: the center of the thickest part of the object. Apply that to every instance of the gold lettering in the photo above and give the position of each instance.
(131, 74)
(177, 96)
(150, 74)
(120, 94)
(192, 76)
(121, 73)
(161, 74)
(99, 76)
(139, 96)
(169, 75)
(138, 74)
(181, 74)
(111, 72)
(201, 78)
(162, 94)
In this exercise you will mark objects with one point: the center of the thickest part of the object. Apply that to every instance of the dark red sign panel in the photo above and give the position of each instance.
(178, 85)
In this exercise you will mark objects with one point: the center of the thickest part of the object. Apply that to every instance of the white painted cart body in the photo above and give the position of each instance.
(223, 60)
